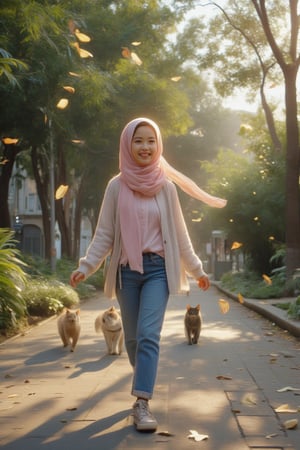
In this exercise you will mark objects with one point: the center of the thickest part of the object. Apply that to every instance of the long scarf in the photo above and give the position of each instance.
(147, 180)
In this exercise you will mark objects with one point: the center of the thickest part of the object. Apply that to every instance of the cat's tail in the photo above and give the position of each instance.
(98, 321)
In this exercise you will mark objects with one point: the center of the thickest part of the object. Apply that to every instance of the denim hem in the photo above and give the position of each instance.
(141, 394)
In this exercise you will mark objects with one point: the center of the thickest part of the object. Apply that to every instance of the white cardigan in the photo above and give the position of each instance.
(179, 253)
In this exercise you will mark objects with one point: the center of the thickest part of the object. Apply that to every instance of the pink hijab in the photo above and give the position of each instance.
(147, 180)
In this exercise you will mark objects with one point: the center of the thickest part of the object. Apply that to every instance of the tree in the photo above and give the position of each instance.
(268, 34)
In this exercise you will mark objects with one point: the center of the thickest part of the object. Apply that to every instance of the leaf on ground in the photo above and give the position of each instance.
(196, 436)
(223, 377)
(288, 388)
(240, 298)
(290, 424)
(224, 306)
(249, 399)
(285, 409)
(165, 433)
(269, 436)
(71, 409)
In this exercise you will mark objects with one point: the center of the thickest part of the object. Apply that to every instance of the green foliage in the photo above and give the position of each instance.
(294, 309)
(250, 285)
(47, 297)
(12, 281)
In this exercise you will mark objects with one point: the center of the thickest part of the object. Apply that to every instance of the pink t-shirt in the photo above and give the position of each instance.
(149, 217)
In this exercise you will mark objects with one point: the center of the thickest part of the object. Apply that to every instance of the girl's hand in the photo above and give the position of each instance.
(203, 282)
(76, 277)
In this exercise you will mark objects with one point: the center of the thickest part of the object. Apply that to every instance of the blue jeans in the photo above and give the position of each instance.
(143, 300)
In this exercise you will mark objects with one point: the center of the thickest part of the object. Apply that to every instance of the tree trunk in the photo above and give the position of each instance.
(60, 205)
(9, 155)
(292, 216)
(42, 184)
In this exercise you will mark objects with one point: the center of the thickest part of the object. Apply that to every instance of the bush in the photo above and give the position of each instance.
(251, 285)
(47, 297)
(294, 309)
(12, 281)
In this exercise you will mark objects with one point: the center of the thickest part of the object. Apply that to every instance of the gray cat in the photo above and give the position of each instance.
(192, 324)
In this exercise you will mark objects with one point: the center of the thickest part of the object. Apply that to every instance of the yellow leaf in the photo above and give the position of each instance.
(175, 79)
(136, 43)
(8, 140)
(69, 89)
(236, 245)
(61, 191)
(224, 306)
(136, 59)
(63, 103)
(77, 141)
(290, 424)
(285, 409)
(73, 74)
(267, 279)
(288, 388)
(240, 298)
(82, 37)
(82, 53)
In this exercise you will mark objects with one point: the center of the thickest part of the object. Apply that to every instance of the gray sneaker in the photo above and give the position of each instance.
(143, 418)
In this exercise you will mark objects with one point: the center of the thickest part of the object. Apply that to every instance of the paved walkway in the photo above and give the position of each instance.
(226, 387)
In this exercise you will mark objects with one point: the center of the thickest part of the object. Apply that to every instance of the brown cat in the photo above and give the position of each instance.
(110, 323)
(68, 324)
(192, 324)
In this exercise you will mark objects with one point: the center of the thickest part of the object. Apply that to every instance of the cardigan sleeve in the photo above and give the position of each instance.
(191, 262)
(102, 242)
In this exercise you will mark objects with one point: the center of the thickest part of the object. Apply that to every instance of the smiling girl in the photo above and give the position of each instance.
(141, 227)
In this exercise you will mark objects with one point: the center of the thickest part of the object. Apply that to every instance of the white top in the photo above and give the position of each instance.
(178, 250)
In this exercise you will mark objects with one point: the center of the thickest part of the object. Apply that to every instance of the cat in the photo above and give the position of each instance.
(110, 323)
(192, 324)
(69, 327)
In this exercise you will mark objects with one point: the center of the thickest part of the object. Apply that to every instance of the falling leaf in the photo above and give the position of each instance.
(165, 433)
(223, 377)
(285, 409)
(175, 79)
(81, 36)
(126, 53)
(8, 140)
(4, 161)
(224, 306)
(136, 59)
(267, 279)
(236, 245)
(136, 43)
(290, 424)
(63, 103)
(196, 436)
(69, 89)
(77, 141)
(73, 74)
(82, 53)
(288, 388)
(241, 298)
(61, 191)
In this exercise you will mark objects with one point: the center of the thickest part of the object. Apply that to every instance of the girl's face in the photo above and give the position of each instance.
(144, 145)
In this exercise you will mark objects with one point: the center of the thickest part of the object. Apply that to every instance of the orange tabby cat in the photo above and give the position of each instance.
(69, 327)
(110, 323)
